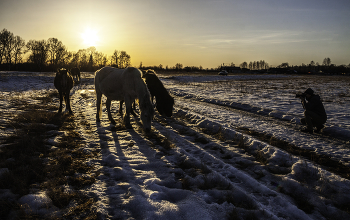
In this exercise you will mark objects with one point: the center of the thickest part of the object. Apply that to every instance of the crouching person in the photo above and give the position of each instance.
(315, 114)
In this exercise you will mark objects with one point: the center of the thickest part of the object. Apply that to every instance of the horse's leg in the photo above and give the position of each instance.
(67, 98)
(61, 100)
(108, 106)
(133, 109)
(152, 98)
(98, 105)
(128, 109)
(121, 107)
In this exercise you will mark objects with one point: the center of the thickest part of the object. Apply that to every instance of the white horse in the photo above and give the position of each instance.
(123, 84)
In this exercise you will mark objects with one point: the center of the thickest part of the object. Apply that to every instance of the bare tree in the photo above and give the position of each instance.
(115, 58)
(284, 65)
(39, 52)
(124, 60)
(56, 52)
(250, 65)
(18, 49)
(178, 66)
(327, 61)
(262, 64)
(244, 65)
(100, 59)
(6, 39)
(254, 65)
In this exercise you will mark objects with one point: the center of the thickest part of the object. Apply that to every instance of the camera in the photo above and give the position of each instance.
(300, 95)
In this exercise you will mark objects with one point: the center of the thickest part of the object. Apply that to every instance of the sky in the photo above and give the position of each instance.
(203, 33)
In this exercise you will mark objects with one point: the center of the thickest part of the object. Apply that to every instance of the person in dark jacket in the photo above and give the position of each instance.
(315, 114)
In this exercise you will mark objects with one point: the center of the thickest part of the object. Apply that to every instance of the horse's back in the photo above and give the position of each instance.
(116, 83)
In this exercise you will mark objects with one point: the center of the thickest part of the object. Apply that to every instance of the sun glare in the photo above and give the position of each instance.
(90, 37)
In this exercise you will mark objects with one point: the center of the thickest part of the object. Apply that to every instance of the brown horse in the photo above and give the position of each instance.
(75, 72)
(64, 83)
(164, 101)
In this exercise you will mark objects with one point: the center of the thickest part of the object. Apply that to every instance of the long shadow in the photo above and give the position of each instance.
(117, 170)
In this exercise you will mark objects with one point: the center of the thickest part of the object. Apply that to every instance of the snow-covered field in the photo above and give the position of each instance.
(227, 153)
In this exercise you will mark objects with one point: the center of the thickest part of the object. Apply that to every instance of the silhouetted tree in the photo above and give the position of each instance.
(124, 60)
(283, 65)
(56, 51)
(244, 65)
(115, 58)
(178, 66)
(9, 42)
(6, 41)
(327, 61)
(39, 53)
(100, 59)
(18, 49)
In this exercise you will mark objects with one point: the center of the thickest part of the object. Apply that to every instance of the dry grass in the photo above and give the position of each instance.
(33, 166)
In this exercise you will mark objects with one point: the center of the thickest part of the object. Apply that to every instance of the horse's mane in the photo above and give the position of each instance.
(142, 92)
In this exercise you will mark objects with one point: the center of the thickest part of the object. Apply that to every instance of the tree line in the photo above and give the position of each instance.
(315, 67)
(48, 55)
(255, 65)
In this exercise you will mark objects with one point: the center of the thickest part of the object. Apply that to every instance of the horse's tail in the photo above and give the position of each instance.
(98, 94)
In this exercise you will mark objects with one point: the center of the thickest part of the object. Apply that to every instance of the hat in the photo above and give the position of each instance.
(309, 91)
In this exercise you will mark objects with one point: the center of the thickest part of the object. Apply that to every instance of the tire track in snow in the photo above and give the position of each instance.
(262, 195)
(132, 185)
(135, 182)
(268, 126)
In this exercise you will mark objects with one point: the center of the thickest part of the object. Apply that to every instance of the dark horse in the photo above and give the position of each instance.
(75, 72)
(64, 83)
(164, 102)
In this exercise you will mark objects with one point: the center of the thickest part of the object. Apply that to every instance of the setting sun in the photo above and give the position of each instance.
(90, 37)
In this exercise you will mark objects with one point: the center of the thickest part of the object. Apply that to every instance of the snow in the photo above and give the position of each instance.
(140, 179)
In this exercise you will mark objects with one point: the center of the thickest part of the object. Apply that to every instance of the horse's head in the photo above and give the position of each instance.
(61, 72)
(147, 112)
(148, 72)
(165, 107)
